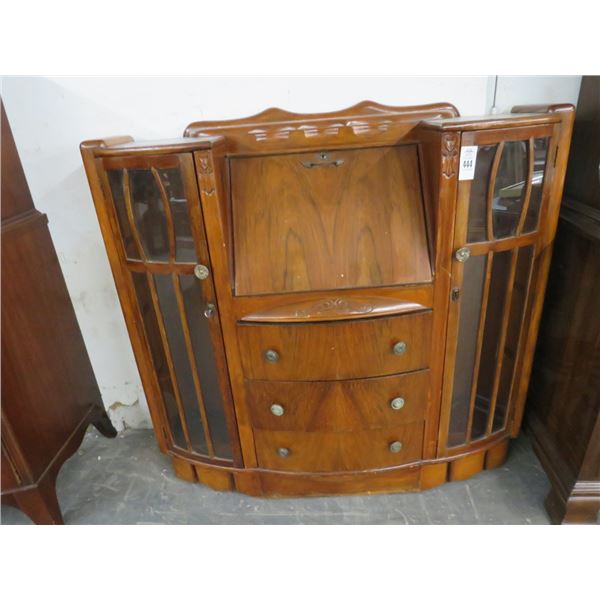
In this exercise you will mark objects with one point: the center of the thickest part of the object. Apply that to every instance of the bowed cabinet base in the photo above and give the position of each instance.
(408, 478)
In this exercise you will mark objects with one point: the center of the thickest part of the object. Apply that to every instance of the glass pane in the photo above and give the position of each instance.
(115, 179)
(206, 364)
(540, 149)
(184, 241)
(491, 338)
(149, 214)
(158, 356)
(517, 308)
(509, 188)
(478, 197)
(470, 309)
(181, 360)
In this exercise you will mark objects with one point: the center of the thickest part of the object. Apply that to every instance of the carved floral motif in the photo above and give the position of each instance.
(310, 130)
(449, 154)
(206, 175)
(330, 305)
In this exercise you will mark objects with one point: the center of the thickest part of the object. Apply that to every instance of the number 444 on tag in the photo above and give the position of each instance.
(468, 157)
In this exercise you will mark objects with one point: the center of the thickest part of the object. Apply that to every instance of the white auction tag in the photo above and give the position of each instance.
(468, 156)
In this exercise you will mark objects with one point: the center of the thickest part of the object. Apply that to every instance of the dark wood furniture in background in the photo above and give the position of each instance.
(330, 303)
(563, 414)
(49, 393)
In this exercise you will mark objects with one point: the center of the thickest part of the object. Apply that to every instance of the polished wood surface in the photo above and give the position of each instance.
(49, 392)
(582, 182)
(564, 401)
(316, 451)
(354, 405)
(365, 124)
(337, 350)
(333, 308)
(330, 238)
(328, 220)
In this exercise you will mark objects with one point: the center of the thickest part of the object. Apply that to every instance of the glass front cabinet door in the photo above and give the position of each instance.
(158, 234)
(499, 219)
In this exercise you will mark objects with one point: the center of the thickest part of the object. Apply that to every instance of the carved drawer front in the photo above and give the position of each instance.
(341, 451)
(337, 350)
(354, 405)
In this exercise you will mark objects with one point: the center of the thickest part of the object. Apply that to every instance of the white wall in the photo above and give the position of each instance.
(51, 116)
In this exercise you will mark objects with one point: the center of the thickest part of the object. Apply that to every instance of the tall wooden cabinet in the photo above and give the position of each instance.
(564, 400)
(335, 303)
(49, 392)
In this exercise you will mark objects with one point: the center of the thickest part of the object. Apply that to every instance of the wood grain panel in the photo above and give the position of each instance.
(340, 451)
(337, 350)
(353, 405)
(358, 224)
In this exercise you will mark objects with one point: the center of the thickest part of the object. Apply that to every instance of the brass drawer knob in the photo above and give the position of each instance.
(277, 410)
(271, 356)
(399, 348)
(283, 452)
(397, 403)
(395, 447)
(201, 271)
(462, 254)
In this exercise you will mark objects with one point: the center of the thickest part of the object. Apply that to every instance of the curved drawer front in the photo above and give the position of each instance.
(328, 452)
(354, 405)
(336, 350)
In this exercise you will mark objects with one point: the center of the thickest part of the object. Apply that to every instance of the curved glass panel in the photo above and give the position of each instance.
(149, 214)
(509, 188)
(540, 150)
(513, 332)
(184, 240)
(476, 231)
(159, 360)
(115, 180)
(491, 340)
(206, 364)
(470, 309)
(181, 360)
(153, 225)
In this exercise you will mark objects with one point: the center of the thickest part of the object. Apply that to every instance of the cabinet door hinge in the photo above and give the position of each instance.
(454, 294)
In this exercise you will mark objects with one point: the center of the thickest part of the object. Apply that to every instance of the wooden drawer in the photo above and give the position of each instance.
(354, 405)
(335, 350)
(343, 451)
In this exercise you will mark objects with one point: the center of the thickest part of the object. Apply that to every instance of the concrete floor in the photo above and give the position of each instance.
(127, 481)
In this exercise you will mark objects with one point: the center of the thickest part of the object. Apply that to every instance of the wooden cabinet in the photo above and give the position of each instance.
(563, 414)
(334, 303)
(49, 392)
